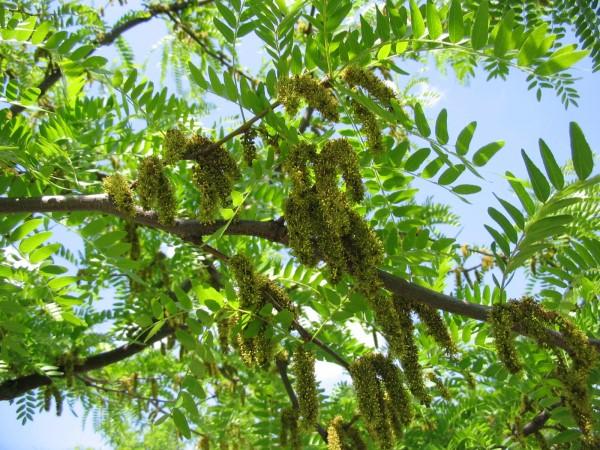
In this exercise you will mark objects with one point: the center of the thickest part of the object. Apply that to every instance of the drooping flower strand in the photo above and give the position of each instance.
(383, 401)
(291, 91)
(536, 322)
(409, 353)
(321, 222)
(364, 78)
(155, 189)
(303, 368)
(119, 192)
(290, 432)
(249, 146)
(214, 173)
(255, 291)
(370, 127)
(342, 436)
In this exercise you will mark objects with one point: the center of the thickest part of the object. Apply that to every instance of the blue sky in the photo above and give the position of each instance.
(503, 109)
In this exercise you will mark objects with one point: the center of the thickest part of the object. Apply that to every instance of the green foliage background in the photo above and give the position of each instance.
(72, 120)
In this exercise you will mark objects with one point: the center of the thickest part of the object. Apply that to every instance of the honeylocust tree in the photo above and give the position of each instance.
(184, 279)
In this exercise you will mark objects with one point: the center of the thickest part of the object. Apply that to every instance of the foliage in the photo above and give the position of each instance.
(184, 283)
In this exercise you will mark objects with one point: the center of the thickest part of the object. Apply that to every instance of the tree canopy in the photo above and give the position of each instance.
(182, 282)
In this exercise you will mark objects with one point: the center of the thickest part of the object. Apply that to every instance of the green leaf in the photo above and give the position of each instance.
(25, 229)
(225, 30)
(384, 51)
(485, 153)
(181, 422)
(227, 14)
(451, 174)
(31, 243)
(464, 138)
(565, 436)
(441, 127)
(560, 60)
(197, 76)
(418, 24)
(504, 223)
(43, 253)
(432, 168)
(522, 194)
(534, 46)
(548, 226)
(284, 318)
(499, 239)
(421, 120)
(110, 238)
(516, 215)
(479, 33)
(466, 189)
(55, 39)
(541, 187)
(552, 169)
(94, 62)
(434, 24)
(504, 41)
(581, 153)
(456, 24)
(186, 339)
(40, 32)
(56, 284)
(415, 160)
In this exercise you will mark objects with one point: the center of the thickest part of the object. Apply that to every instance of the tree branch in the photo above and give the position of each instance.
(538, 422)
(218, 55)
(275, 231)
(108, 38)
(14, 388)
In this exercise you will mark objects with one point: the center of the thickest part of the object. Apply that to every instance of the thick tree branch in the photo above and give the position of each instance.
(275, 231)
(108, 38)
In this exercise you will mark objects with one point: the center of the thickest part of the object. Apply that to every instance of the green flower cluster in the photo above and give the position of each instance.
(256, 350)
(303, 368)
(120, 193)
(370, 126)
(360, 77)
(255, 291)
(535, 321)
(321, 222)
(223, 330)
(408, 352)
(214, 173)
(175, 146)
(51, 391)
(290, 91)
(444, 392)
(383, 401)
(155, 190)
(393, 316)
(249, 146)
(290, 434)
(435, 326)
(341, 436)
